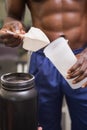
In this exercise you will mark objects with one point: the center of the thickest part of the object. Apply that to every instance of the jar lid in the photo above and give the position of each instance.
(17, 81)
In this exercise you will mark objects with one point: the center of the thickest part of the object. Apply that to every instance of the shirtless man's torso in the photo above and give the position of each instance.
(61, 17)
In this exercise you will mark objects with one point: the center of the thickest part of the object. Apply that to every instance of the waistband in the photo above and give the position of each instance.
(76, 51)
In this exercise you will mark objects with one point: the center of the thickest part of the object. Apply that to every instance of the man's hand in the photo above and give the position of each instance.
(39, 128)
(11, 39)
(79, 70)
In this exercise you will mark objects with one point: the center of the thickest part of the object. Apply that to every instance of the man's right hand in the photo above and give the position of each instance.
(12, 40)
(39, 128)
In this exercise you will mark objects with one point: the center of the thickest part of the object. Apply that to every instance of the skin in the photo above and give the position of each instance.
(55, 18)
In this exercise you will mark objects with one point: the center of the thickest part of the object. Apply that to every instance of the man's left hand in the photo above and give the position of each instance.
(79, 70)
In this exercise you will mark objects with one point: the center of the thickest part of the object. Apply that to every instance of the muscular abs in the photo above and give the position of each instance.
(61, 17)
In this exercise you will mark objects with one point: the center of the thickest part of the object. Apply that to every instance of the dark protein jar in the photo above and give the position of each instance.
(18, 102)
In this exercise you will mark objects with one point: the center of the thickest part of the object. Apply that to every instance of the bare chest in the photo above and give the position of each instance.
(57, 5)
(56, 17)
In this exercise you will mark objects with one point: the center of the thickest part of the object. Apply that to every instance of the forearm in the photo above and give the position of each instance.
(15, 10)
(10, 19)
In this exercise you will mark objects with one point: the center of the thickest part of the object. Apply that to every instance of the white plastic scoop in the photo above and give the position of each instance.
(34, 39)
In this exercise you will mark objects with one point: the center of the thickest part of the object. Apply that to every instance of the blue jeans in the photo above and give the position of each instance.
(51, 88)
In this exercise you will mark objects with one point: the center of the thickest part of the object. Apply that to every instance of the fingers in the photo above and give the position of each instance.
(78, 72)
(13, 43)
(40, 128)
(75, 67)
(17, 28)
(84, 85)
(15, 37)
(78, 79)
(10, 39)
(3, 36)
(81, 70)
